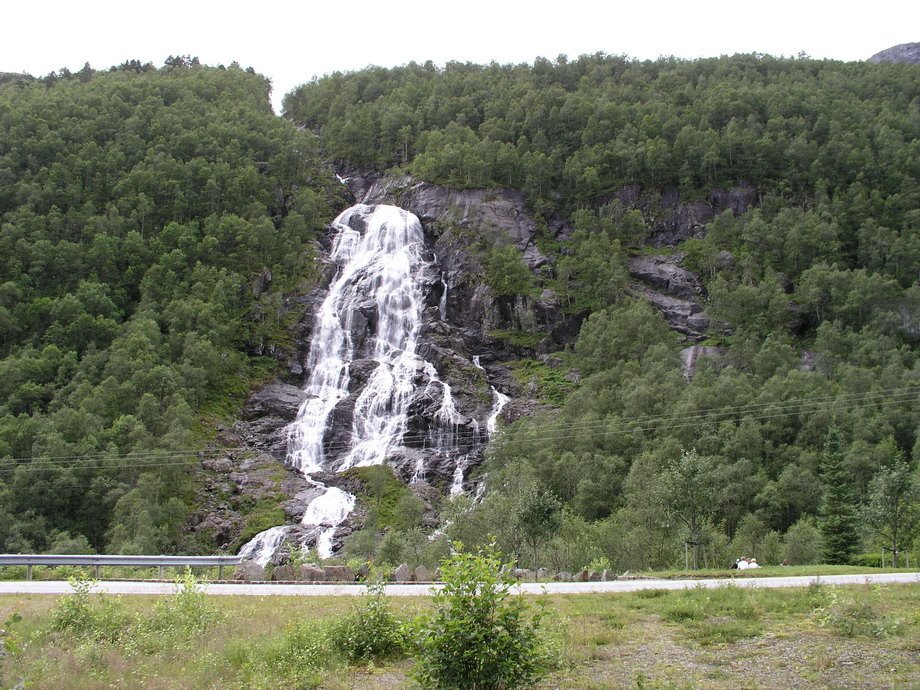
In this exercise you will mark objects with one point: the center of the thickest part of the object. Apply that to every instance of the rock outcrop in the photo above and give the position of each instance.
(904, 53)
(249, 571)
(690, 356)
(673, 220)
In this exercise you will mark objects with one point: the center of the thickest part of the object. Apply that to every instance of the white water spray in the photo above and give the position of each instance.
(373, 311)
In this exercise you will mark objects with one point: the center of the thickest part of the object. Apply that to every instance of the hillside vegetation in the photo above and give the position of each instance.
(149, 221)
(797, 441)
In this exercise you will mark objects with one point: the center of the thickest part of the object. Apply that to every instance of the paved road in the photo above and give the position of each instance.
(263, 589)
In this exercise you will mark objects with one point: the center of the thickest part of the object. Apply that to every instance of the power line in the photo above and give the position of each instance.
(621, 426)
(472, 435)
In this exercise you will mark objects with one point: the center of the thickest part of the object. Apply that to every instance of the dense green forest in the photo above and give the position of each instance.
(143, 210)
(137, 208)
(757, 454)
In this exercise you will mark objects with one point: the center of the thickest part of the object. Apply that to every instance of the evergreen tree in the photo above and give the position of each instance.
(839, 524)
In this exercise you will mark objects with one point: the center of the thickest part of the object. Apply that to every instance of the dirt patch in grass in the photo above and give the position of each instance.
(729, 638)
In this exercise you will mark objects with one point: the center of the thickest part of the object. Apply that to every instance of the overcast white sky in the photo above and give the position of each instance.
(292, 42)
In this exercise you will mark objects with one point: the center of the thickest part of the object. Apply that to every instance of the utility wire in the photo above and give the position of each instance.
(621, 426)
(690, 415)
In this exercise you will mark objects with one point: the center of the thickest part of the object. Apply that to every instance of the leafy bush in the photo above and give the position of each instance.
(187, 611)
(95, 616)
(481, 636)
(9, 643)
(369, 631)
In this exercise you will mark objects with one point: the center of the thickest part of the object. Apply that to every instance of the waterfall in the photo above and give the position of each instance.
(499, 400)
(442, 303)
(373, 312)
(264, 545)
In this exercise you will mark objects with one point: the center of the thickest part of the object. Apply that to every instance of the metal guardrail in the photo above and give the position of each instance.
(96, 562)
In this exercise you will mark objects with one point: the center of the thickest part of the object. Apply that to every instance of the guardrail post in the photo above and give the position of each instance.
(160, 572)
(97, 569)
(220, 572)
(28, 572)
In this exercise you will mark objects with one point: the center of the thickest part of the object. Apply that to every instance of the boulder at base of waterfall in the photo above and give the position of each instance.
(402, 574)
(563, 577)
(422, 574)
(583, 576)
(249, 571)
(310, 573)
(542, 574)
(338, 573)
(284, 573)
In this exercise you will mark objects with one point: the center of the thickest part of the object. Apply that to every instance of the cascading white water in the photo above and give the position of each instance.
(378, 279)
(442, 304)
(377, 269)
(499, 400)
(264, 545)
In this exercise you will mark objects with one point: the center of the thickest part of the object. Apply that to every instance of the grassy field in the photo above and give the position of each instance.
(814, 637)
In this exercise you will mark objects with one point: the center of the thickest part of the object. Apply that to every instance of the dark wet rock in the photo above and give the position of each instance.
(249, 571)
(683, 316)
(673, 220)
(663, 274)
(359, 372)
(691, 355)
(276, 399)
(738, 200)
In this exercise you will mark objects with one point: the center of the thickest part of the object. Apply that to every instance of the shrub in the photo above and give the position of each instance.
(188, 611)
(481, 636)
(857, 617)
(92, 615)
(369, 631)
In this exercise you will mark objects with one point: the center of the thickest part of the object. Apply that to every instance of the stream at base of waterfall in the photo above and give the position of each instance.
(380, 253)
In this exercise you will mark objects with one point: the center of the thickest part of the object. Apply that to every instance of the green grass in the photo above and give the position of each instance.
(519, 338)
(552, 385)
(264, 514)
(855, 636)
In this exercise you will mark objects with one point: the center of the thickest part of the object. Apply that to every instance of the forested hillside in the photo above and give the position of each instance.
(150, 220)
(803, 417)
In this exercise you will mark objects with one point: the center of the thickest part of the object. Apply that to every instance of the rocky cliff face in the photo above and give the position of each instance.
(674, 219)
(464, 335)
